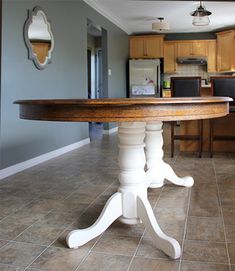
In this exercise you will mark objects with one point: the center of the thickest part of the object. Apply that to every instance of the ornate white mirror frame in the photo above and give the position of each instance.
(38, 38)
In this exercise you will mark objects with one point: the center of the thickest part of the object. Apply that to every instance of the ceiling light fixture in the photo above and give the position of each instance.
(200, 16)
(160, 25)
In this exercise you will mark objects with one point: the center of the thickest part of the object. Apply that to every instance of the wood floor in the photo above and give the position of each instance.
(39, 206)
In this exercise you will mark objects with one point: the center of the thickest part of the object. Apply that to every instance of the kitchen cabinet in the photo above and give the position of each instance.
(199, 48)
(226, 51)
(211, 56)
(170, 54)
(192, 48)
(146, 46)
(184, 48)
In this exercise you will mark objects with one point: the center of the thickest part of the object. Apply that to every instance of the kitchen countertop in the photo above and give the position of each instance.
(206, 86)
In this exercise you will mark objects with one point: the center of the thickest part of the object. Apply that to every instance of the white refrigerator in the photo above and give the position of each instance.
(144, 78)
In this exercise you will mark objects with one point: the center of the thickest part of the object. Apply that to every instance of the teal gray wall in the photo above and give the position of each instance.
(65, 77)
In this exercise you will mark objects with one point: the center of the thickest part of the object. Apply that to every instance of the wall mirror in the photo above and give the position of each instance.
(38, 38)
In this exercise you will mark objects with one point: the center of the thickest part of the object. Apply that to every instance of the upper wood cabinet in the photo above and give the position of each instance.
(170, 54)
(211, 56)
(192, 48)
(199, 48)
(146, 46)
(226, 51)
(153, 46)
(184, 48)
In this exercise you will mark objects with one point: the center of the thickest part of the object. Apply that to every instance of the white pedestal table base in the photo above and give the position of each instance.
(157, 169)
(130, 204)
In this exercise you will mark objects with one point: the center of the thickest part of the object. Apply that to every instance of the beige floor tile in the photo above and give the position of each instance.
(172, 197)
(230, 233)
(40, 233)
(203, 207)
(227, 197)
(205, 229)
(3, 243)
(117, 245)
(119, 228)
(19, 254)
(196, 266)
(153, 265)
(169, 215)
(148, 249)
(231, 252)
(73, 207)
(205, 252)
(226, 179)
(56, 218)
(232, 267)
(59, 259)
(43, 205)
(173, 229)
(10, 229)
(100, 261)
(225, 168)
(229, 215)
(4, 267)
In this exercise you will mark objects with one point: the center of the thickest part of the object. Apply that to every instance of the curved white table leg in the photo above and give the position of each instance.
(157, 169)
(130, 203)
(167, 244)
(111, 211)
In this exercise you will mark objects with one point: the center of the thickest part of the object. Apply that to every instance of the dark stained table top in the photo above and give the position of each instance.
(124, 109)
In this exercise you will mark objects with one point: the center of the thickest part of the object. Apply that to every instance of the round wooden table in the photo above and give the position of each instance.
(140, 145)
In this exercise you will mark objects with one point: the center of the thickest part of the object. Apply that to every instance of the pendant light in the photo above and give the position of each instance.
(160, 25)
(200, 16)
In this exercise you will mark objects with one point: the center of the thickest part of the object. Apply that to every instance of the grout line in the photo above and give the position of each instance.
(222, 216)
(185, 229)
(141, 238)
(216, 263)
(89, 252)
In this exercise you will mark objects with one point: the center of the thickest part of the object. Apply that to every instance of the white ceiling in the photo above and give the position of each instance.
(136, 16)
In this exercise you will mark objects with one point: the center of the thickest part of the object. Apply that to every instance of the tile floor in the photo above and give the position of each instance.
(39, 206)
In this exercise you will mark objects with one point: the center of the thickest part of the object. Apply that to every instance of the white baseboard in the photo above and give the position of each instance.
(110, 131)
(6, 172)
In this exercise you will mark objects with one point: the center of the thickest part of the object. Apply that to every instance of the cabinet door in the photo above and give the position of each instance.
(211, 56)
(153, 47)
(136, 47)
(170, 57)
(199, 48)
(225, 48)
(185, 48)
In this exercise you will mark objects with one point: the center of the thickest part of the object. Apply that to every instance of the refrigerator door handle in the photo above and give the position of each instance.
(158, 81)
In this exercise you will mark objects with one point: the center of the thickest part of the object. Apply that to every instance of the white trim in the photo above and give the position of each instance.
(110, 131)
(108, 15)
(6, 172)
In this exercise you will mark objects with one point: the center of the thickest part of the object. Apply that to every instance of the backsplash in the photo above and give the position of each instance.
(189, 70)
(193, 70)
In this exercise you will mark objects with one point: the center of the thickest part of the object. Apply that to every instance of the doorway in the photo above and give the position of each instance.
(94, 72)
